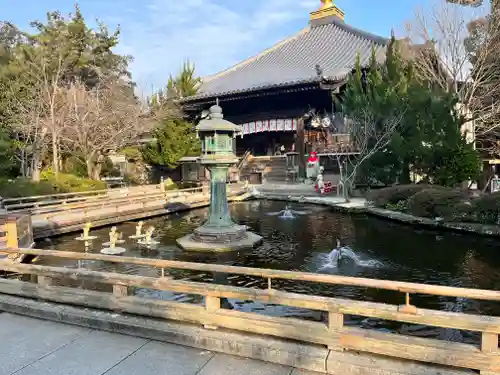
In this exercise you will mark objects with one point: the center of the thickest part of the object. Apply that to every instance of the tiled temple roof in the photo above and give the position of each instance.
(327, 42)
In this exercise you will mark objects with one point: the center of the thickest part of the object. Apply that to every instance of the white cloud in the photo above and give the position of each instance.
(213, 34)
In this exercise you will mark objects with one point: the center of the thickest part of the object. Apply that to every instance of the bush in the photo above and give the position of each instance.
(394, 195)
(71, 183)
(24, 188)
(66, 183)
(437, 202)
(486, 209)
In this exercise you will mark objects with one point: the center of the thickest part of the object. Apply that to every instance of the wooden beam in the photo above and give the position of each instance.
(419, 349)
(336, 305)
(404, 287)
(301, 147)
(290, 328)
(393, 345)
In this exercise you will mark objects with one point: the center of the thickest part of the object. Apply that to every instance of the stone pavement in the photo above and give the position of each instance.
(305, 193)
(37, 347)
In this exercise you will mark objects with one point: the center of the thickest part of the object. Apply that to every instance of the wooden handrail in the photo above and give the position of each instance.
(212, 316)
(82, 193)
(244, 160)
(399, 286)
(87, 202)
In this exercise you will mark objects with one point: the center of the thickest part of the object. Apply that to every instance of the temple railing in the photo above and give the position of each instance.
(53, 204)
(333, 333)
(23, 204)
(244, 160)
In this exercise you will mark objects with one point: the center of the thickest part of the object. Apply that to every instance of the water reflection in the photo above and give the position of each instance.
(401, 253)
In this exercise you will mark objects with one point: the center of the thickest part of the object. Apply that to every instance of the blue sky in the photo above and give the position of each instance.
(214, 34)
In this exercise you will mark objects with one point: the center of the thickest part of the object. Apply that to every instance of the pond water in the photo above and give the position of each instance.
(385, 250)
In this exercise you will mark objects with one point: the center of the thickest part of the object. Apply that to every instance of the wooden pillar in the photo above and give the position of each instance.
(489, 344)
(212, 304)
(120, 290)
(335, 324)
(301, 148)
(11, 232)
(44, 281)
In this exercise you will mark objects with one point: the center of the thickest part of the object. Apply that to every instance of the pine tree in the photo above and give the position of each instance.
(428, 141)
(174, 139)
(174, 136)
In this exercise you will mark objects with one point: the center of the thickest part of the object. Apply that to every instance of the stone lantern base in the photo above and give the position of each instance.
(214, 239)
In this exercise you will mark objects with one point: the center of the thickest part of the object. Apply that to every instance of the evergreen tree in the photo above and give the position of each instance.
(84, 53)
(428, 142)
(174, 139)
(174, 136)
(185, 84)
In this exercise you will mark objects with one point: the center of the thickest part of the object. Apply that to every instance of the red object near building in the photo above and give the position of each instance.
(327, 188)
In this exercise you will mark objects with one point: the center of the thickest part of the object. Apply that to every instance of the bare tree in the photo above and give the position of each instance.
(100, 119)
(438, 44)
(36, 109)
(368, 136)
(31, 134)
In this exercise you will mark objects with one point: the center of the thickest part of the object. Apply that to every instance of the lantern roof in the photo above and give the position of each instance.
(215, 122)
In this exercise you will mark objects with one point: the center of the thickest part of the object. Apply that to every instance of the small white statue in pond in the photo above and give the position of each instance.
(138, 231)
(86, 233)
(148, 238)
(114, 238)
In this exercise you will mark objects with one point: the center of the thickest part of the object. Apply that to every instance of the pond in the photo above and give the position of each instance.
(384, 250)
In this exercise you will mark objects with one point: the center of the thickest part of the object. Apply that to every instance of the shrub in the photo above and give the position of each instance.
(487, 208)
(394, 195)
(71, 183)
(24, 188)
(437, 202)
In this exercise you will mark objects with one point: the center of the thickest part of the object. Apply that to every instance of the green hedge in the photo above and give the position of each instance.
(433, 201)
(486, 209)
(394, 195)
(437, 202)
(65, 183)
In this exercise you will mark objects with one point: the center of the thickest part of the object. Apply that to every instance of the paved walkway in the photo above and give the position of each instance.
(305, 193)
(37, 347)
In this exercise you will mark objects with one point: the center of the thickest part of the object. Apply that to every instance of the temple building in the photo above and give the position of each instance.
(284, 97)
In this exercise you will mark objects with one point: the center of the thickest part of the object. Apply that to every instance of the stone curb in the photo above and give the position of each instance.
(475, 229)
(269, 349)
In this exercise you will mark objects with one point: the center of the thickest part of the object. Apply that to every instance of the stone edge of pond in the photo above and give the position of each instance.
(470, 228)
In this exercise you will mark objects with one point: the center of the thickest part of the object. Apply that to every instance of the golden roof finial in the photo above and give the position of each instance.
(327, 9)
(326, 4)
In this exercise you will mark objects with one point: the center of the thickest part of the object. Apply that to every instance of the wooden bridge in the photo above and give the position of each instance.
(67, 212)
(107, 301)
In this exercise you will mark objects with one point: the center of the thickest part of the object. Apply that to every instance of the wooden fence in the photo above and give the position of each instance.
(53, 204)
(40, 202)
(333, 334)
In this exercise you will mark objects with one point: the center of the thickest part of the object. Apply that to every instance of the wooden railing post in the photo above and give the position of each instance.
(212, 304)
(120, 290)
(44, 280)
(11, 232)
(489, 344)
(335, 324)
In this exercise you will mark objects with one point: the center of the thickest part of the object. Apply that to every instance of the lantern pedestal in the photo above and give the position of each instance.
(219, 233)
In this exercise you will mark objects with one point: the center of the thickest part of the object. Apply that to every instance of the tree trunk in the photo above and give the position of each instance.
(36, 168)
(96, 173)
(346, 188)
(55, 155)
(36, 165)
(90, 168)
